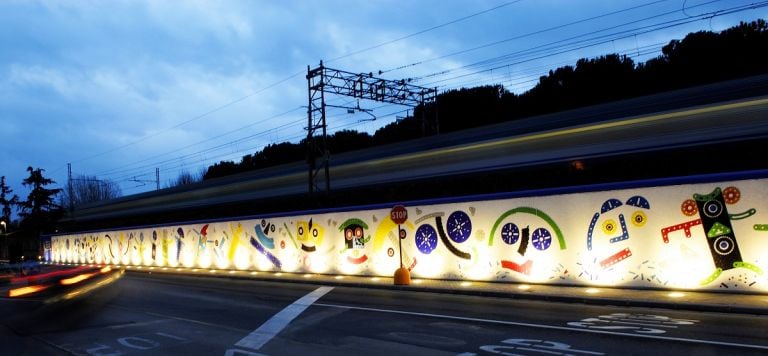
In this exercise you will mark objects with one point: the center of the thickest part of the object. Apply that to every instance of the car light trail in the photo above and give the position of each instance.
(18, 292)
(76, 279)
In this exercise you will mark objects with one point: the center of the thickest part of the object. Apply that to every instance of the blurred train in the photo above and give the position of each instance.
(717, 128)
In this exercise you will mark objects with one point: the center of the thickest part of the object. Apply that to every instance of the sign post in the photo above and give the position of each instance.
(399, 216)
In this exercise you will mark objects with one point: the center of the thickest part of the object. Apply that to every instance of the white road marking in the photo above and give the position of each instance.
(279, 321)
(171, 336)
(217, 326)
(551, 327)
(130, 325)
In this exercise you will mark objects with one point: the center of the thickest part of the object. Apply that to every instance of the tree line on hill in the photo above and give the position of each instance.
(699, 58)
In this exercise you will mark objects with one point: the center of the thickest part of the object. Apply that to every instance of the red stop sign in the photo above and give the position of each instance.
(398, 214)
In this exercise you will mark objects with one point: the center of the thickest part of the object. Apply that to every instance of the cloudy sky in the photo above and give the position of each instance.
(120, 88)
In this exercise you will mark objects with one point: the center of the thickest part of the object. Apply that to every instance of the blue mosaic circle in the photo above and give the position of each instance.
(510, 233)
(541, 239)
(426, 239)
(459, 226)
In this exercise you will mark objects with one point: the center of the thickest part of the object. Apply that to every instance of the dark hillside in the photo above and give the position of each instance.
(700, 58)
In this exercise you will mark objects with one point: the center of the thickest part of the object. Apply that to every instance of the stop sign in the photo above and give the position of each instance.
(398, 214)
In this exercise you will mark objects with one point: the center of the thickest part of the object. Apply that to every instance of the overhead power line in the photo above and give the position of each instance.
(491, 64)
(423, 31)
(173, 169)
(559, 44)
(237, 130)
(207, 150)
(532, 74)
(551, 50)
(198, 117)
(228, 104)
(529, 34)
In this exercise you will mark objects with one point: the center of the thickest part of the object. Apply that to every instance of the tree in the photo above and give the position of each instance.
(222, 169)
(89, 189)
(185, 178)
(6, 201)
(39, 210)
(699, 58)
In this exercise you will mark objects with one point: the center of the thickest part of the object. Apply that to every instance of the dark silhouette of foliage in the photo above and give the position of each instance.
(349, 140)
(222, 169)
(38, 211)
(700, 58)
(706, 57)
(405, 129)
(40, 199)
(7, 202)
(273, 155)
(89, 189)
(185, 178)
(465, 108)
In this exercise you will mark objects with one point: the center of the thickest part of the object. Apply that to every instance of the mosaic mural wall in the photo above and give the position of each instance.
(694, 236)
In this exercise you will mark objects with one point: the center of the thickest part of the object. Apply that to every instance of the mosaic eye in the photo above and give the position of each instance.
(541, 239)
(609, 226)
(510, 233)
(639, 219)
(358, 232)
(731, 195)
(459, 226)
(689, 208)
(348, 234)
(712, 208)
(426, 239)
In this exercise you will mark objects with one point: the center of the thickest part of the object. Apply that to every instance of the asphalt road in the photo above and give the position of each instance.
(150, 314)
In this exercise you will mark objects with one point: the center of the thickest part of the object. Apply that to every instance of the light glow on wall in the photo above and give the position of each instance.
(242, 259)
(430, 266)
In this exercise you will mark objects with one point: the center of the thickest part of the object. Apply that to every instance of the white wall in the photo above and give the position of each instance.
(483, 240)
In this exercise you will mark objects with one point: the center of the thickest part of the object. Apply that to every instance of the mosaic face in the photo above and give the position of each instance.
(717, 224)
(610, 228)
(525, 228)
(310, 235)
(455, 230)
(355, 240)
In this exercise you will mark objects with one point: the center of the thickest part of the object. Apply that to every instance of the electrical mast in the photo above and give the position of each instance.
(323, 80)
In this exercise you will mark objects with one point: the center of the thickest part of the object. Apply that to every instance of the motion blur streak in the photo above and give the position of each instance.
(90, 287)
(26, 290)
(37, 277)
(76, 279)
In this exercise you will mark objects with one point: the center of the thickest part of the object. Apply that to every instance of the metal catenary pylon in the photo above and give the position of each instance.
(323, 80)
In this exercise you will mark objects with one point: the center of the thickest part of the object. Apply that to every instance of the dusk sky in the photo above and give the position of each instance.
(119, 88)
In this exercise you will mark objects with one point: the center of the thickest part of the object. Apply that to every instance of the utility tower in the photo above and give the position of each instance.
(322, 81)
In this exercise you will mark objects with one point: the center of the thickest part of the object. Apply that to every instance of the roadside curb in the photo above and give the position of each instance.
(725, 303)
